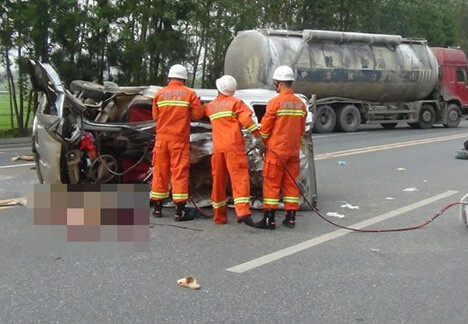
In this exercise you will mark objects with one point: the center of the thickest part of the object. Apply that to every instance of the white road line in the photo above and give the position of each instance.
(16, 165)
(258, 262)
(335, 135)
(16, 148)
(370, 149)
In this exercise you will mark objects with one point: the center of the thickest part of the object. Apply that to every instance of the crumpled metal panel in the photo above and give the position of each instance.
(48, 154)
(200, 183)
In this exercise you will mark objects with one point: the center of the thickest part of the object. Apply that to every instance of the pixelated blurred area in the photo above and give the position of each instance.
(91, 213)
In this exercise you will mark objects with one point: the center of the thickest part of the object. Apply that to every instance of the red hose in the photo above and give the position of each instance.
(200, 210)
(368, 230)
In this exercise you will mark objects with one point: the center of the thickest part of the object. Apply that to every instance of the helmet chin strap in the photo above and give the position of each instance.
(276, 84)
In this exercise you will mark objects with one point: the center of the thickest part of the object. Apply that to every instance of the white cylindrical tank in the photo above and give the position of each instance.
(371, 67)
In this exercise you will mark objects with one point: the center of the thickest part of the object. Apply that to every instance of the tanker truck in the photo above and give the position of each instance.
(357, 78)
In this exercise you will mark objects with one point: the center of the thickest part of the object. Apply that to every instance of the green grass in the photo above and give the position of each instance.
(5, 120)
(4, 112)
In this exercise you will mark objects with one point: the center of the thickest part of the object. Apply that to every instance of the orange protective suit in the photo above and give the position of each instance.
(228, 115)
(173, 107)
(282, 128)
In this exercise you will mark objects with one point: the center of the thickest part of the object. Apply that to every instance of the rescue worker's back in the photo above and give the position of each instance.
(283, 124)
(228, 115)
(171, 111)
(173, 107)
(282, 129)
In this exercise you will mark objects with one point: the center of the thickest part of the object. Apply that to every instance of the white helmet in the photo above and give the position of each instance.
(227, 85)
(177, 71)
(283, 73)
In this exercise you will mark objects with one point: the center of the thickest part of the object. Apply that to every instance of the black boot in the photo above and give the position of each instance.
(268, 221)
(157, 208)
(290, 219)
(181, 214)
(247, 220)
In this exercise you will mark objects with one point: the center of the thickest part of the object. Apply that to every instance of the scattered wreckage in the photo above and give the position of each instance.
(95, 133)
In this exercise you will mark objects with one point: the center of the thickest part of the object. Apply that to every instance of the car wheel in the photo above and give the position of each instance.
(453, 116)
(325, 119)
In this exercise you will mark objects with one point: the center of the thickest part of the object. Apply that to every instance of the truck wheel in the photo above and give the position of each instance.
(389, 125)
(453, 116)
(325, 119)
(348, 118)
(426, 117)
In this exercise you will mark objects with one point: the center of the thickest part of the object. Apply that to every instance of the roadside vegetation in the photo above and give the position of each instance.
(8, 123)
(134, 42)
(4, 112)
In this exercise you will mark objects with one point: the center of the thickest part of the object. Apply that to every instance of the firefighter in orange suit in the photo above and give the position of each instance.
(228, 115)
(282, 128)
(173, 107)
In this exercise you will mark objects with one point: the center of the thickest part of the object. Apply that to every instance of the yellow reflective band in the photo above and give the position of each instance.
(252, 127)
(222, 114)
(291, 199)
(291, 112)
(155, 194)
(264, 135)
(180, 196)
(270, 201)
(218, 204)
(241, 200)
(178, 103)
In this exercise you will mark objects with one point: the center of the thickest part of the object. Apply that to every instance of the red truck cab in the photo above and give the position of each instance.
(453, 75)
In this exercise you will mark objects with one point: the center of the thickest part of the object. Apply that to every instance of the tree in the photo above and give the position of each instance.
(135, 41)
(67, 29)
(16, 34)
(460, 9)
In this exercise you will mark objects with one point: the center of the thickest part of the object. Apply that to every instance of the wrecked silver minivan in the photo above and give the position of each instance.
(95, 133)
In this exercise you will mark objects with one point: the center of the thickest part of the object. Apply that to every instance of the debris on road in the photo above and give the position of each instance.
(390, 198)
(462, 155)
(12, 202)
(376, 251)
(342, 163)
(334, 214)
(400, 169)
(411, 189)
(188, 282)
(347, 205)
(25, 157)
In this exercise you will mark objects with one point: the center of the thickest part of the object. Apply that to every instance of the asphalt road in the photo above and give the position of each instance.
(315, 273)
